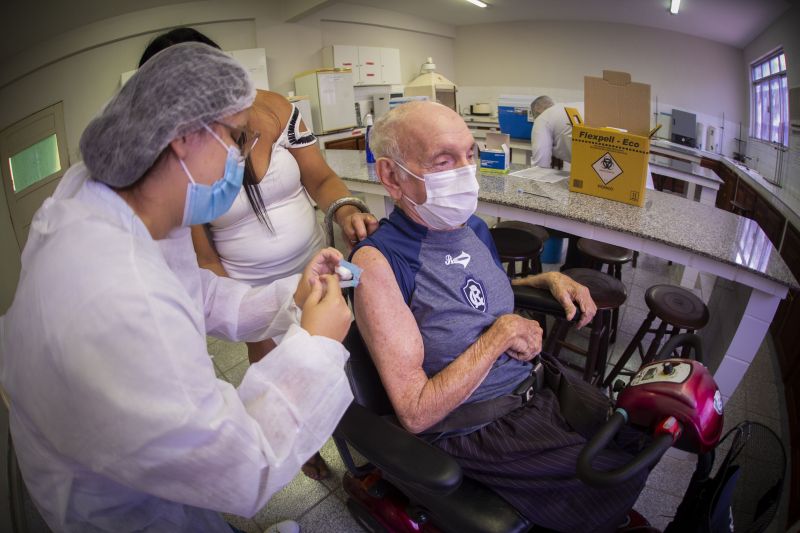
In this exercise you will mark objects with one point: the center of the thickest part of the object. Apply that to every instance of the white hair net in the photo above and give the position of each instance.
(176, 92)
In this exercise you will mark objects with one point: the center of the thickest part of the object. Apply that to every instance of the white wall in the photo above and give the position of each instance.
(416, 38)
(537, 58)
(783, 33)
(82, 67)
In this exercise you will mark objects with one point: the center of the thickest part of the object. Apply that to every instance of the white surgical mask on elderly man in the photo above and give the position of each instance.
(452, 197)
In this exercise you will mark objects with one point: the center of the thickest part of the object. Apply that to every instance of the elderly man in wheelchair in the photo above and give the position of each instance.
(461, 370)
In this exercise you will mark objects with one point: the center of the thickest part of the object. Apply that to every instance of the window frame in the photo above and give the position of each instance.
(764, 89)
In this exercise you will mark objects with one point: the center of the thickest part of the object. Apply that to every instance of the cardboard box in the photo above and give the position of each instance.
(495, 156)
(610, 151)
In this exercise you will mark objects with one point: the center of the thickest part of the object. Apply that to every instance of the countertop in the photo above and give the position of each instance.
(489, 119)
(683, 166)
(696, 228)
(789, 206)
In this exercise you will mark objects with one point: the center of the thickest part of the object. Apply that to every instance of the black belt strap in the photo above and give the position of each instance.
(545, 373)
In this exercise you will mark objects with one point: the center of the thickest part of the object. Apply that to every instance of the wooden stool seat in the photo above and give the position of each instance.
(673, 306)
(599, 254)
(677, 306)
(539, 231)
(608, 294)
(604, 253)
(514, 244)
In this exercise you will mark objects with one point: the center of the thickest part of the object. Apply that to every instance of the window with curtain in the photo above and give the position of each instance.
(770, 104)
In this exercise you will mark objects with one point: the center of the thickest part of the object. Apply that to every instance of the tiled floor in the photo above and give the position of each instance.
(319, 507)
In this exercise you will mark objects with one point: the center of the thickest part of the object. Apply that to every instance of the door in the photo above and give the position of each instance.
(34, 157)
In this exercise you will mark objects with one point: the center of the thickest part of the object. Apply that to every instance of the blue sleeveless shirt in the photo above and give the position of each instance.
(456, 288)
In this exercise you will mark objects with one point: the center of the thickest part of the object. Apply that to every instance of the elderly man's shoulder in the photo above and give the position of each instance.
(387, 238)
(479, 226)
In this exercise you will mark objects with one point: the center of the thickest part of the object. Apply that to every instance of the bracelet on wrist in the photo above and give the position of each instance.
(346, 200)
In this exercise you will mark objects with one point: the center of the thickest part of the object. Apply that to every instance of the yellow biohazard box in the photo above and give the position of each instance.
(611, 149)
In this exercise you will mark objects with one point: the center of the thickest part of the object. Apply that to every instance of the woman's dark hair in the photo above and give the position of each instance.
(191, 35)
(175, 36)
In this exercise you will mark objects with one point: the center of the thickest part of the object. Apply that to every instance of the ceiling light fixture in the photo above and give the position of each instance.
(479, 3)
(674, 6)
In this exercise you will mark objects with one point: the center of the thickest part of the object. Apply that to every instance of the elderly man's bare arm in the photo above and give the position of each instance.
(567, 291)
(394, 340)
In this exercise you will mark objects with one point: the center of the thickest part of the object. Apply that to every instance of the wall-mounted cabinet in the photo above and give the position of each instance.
(371, 65)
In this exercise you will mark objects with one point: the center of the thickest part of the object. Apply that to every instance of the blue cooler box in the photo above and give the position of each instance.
(553, 247)
(512, 113)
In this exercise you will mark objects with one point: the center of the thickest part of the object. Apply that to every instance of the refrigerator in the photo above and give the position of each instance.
(330, 92)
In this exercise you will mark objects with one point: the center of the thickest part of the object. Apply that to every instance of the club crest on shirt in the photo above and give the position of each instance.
(474, 293)
(462, 259)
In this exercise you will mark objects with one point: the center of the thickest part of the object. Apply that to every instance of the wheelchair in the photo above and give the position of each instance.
(409, 485)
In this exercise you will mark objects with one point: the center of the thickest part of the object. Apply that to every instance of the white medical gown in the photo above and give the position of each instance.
(118, 420)
(552, 135)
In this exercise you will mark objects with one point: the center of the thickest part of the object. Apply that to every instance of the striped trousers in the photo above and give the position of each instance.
(529, 455)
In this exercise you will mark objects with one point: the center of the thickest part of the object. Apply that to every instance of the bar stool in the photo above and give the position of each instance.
(599, 254)
(537, 230)
(673, 306)
(518, 244)
(608, 294)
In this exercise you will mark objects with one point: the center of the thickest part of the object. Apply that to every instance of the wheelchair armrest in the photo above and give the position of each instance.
(540, 300)
(398, 453)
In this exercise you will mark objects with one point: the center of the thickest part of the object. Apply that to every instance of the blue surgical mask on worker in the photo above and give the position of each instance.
(205, 203)
(451, 197)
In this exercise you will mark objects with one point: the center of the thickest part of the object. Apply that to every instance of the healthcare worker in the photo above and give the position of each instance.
(117, 418)
(551, 135)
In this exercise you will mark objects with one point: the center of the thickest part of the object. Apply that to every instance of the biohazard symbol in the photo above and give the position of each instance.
(474, 293)
(607, 168)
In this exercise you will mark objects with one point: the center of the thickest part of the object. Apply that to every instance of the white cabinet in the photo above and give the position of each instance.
(390, 66)
(372, 65)
(369, 66)
(341, 56)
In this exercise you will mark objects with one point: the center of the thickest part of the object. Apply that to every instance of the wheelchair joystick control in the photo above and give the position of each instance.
(668, 368)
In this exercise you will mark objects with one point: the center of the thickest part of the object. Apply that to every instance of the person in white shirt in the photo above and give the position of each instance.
(551, 136)
(117, 418)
